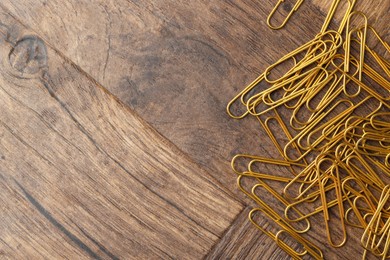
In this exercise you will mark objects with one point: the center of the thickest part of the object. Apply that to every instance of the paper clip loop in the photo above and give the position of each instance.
(294, 9)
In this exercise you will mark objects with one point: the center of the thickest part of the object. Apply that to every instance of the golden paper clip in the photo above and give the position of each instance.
(281, 200)
(294, 9)
(309, 247)
(339, 199)
(332, 11)
(376, 237)
(318, 43)
(349, 32)
(242, 96)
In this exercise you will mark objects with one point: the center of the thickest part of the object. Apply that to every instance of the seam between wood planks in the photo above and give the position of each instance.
(162, 138)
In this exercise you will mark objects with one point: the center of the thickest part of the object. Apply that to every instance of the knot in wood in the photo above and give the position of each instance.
(29, 55)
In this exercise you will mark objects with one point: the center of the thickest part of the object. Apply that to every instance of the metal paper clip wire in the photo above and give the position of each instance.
(327, 52)
(332, 11)
(308, 246)
(294, 9)
(336, 145)
(349, 32)
(279, 198)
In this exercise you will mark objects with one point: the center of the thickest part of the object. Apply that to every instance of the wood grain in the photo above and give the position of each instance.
(244, 241)
(177, 64)
(81, 176)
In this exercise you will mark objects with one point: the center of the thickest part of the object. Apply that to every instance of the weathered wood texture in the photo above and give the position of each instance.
(244, 241)
(82, 176)
(177, 64)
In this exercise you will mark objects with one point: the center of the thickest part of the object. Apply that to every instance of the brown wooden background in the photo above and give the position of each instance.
(143, 172)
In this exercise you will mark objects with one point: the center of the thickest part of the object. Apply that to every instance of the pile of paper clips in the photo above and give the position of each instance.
(331, 107)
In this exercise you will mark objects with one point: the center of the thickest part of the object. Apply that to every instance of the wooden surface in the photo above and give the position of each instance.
(174, 63)
(177, 64)
(82, 176)
(244, 241)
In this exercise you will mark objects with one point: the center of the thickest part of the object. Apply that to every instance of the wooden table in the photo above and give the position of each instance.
(143, 172)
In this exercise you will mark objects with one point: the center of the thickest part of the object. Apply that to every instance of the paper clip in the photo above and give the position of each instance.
(376, 233)
(381, 61)
(315, 43)
(349, 32)
(294, 9)
(283, 201)
(333, 8)
(307, 245)
(241, 97)
(340, 206)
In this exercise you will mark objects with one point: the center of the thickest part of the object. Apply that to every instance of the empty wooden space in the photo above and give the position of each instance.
(145, 171)
(81, 175)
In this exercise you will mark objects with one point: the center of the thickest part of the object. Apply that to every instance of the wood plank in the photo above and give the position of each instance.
(81, 176)
(169, 60)
(177, 63)
(244, 240)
